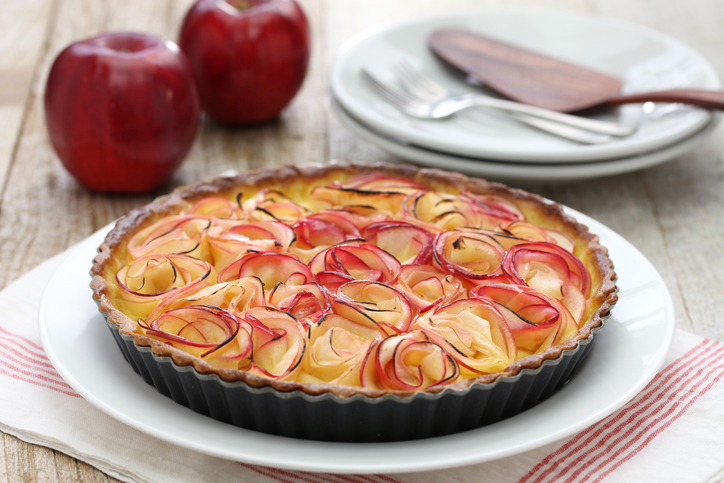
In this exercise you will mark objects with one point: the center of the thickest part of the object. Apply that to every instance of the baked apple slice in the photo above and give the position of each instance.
(173, 234)
(338, 197)
(322, 230)
(407, 362)
(269, 267)
(147, 280)
(218, 207)
(306, 302)
(427, 286)
(495, 206)
(228, 243)
(362, 261)
(279, 342)
(537, 320)
(273, 205)
(474, 332)
(408, 243)
(337, 347)
(447, 211)
(331, 281)
(552, 270)
(199, 330)
(382, 182)
(236, 296)
(386, 305)
(469, 254)
(530, 232)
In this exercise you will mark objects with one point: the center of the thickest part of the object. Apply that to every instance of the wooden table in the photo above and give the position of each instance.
(673, 213)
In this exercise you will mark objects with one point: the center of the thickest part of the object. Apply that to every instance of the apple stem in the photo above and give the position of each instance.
(240, 5)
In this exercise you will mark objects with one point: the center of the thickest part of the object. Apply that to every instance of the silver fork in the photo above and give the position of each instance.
(431, 101)
(419, 108)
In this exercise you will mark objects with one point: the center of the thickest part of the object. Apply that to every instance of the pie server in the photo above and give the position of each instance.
(540, 80)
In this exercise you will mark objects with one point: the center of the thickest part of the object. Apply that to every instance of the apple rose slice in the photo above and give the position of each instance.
(174, 234)
(537, 320)
(347, 220)
(227, 244)
(427, 286)
(269, 267)
(407, 362)
(447, 211)
(408, 243)
(336, 197)
(218, 207)
(437, 211)
(337, 346)
(202, 331)
(331, 281)
(530, 232)
(265, 235)
(235, 297)
(361, 216)
(235, 353)
(469, 254)
(506, 240)
(386, 305)
(279, 342)
(272, 205)
(550, 269)
(307, 302)
(381, 182)
(147, 280)
(322, 230)
(473, 332)
(362, 261)
(493, 205)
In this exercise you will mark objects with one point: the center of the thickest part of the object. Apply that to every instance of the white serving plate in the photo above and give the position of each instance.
(514, 171)
(628, 353)
(644, 59)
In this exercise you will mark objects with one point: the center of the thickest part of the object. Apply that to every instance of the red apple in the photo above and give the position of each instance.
(249, 56)
(122, 111)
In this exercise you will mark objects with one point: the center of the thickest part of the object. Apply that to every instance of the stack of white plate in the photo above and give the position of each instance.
(487, 143)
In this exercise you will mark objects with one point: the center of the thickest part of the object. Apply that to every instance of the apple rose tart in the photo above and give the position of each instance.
(352, 293)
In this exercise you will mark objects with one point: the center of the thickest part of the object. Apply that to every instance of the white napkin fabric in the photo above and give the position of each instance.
(672, 431)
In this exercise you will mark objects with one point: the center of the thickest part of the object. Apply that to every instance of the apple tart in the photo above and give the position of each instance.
(351, 302)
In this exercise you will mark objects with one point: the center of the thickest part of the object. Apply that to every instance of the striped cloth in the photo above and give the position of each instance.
(672, 431)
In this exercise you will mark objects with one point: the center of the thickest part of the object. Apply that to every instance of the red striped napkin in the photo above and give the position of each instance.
(672, 431)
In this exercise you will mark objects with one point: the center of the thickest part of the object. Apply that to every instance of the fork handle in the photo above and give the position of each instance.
(582, 136)
(603, 127)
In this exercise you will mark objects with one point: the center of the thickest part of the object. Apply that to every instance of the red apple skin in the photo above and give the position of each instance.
(249, 62)
(122, 110)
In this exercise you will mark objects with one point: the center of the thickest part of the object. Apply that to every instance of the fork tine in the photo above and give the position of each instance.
(418, 84)
(402, 100)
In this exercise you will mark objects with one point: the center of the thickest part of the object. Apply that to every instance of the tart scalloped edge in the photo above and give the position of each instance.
(300, 179)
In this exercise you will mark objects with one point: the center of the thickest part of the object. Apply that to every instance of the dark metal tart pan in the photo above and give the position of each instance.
(359, 418)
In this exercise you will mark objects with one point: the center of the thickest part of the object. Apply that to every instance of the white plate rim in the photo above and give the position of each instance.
(620, 148)
(181, 426)
(496, 169)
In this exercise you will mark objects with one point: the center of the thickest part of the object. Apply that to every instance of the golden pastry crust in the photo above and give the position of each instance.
(297, 181)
